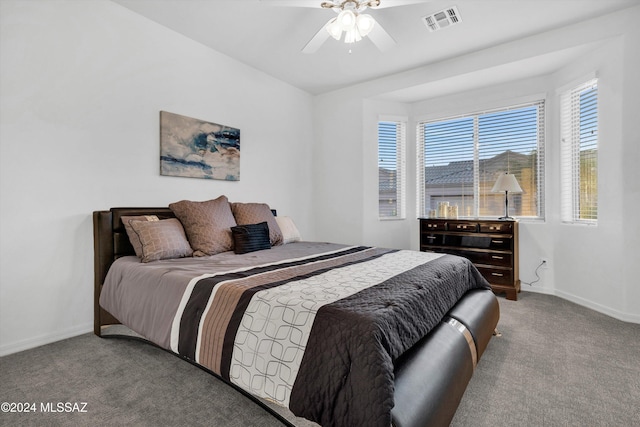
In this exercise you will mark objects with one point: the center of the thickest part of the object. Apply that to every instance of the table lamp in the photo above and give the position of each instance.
(508, 183)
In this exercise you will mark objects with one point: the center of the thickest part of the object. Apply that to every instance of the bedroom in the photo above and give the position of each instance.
(82, 85)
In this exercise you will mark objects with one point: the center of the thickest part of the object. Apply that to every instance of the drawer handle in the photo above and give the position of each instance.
(462, 226)
(431, 237)
(497, 257)
(497, 241)
(497, 274)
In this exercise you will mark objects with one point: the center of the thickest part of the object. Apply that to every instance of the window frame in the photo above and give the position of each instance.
(540, 103)
(571, 141)
(400, 166)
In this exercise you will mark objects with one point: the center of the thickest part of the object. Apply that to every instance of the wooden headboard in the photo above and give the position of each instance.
(110, 241)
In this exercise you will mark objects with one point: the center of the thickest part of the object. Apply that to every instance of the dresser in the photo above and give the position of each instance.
(491, 245)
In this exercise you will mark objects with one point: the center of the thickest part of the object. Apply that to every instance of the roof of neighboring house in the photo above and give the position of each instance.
(462, 172)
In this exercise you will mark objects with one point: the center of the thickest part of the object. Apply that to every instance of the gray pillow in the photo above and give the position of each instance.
(163, 239)
(207, 224)
(254, 213)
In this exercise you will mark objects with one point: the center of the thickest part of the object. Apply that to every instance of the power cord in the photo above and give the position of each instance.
(536, 273)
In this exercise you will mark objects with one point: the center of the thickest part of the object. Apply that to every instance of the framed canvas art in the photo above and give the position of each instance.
(197, 149)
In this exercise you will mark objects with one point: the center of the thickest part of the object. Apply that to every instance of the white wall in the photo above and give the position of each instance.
(82, 85)
(629, 164)
(337, 170)
(390, 233)
(593, 266)
(588, 261)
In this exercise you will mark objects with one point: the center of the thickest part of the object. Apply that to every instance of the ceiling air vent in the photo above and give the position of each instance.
(444, 18)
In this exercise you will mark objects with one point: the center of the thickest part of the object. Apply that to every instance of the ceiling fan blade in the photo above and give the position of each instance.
(316, 4)
(381, 38)
(316, 41)
(293, 3)
(393, 3)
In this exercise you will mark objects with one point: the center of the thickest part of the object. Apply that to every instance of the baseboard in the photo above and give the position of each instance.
(625, 317)
(29, 343)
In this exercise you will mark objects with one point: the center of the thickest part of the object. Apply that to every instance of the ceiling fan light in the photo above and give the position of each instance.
(352, 36)
(365, 24)
(334, 29)
(347, 20)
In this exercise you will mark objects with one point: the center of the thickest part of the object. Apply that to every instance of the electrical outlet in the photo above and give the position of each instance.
(544, 262)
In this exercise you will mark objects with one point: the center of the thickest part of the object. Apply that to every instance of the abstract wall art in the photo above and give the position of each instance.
(197, 149)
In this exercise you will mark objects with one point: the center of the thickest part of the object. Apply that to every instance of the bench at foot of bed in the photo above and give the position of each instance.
(431, 378)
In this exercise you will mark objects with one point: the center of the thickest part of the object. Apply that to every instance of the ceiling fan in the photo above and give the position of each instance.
(351, 24)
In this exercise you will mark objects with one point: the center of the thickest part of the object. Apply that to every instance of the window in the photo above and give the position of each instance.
(579, 151)
(460, 159)
(391, 169)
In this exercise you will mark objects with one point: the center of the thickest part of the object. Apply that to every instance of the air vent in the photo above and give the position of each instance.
(445, 18)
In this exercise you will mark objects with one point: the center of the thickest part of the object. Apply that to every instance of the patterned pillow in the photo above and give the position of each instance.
(133, 237)
(207, 224)
(161, 239)
(289, 230)
(250, 237)
(254, 213)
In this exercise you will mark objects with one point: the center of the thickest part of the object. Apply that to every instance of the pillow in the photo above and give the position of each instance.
(289, 230)
(250, 237)
(254, 213)
(161, 239)
(207, 224)
(133, 237)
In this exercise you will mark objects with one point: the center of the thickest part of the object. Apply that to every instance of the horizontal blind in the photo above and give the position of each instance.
(579, 153)
(460, 159)
(511, 141)
(448, 153)
(391, 188)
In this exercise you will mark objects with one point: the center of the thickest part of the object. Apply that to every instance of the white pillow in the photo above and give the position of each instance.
(289, 230)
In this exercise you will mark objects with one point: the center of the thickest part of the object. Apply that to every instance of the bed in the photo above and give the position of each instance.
(388, 352)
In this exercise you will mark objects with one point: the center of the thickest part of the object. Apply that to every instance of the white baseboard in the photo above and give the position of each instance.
(28, 343)
(625, 317)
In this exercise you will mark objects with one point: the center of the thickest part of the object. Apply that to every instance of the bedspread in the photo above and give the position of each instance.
(318, 333)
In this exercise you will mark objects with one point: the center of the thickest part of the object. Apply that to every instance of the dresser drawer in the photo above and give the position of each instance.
(462, 226)
(499, 243)
(432, 239)
(499, 259)
(426, 226)
(496, 227)
(487, 258)
(499, 276)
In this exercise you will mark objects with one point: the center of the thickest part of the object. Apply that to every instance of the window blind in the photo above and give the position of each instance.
(448, 166)
(391, 169)
(579, 153)
(460, 159)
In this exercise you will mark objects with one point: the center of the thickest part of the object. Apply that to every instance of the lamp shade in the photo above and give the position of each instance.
(365, 24)
(506, 182)
(334, 28)
(347, 20)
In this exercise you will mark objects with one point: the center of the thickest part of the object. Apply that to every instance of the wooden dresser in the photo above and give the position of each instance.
(491, 245)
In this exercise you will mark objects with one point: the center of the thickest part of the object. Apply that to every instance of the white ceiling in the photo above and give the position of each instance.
(270, 37)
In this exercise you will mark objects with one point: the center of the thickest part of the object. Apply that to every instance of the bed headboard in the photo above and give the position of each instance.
(110, 241)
